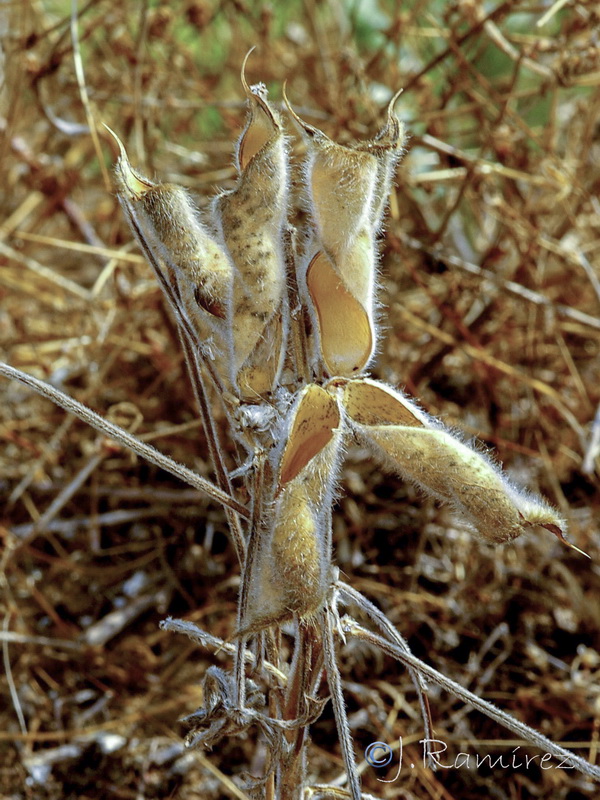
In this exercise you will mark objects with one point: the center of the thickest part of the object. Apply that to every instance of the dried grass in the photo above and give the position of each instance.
(491, 291)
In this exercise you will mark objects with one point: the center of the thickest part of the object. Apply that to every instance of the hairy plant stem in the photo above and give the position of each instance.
(377, 616)
(126, 439)
(520, 728)
(214, 447)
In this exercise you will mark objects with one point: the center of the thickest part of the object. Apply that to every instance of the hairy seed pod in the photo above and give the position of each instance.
(192, 267)
(251, 219)
(291, 574)
(348, 189)
(341, 182)
(387, 147)
(422, 451)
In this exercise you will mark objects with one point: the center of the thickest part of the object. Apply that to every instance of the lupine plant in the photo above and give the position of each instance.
(280, 326)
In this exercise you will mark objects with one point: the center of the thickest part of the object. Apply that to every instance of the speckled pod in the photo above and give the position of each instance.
(422, 451)
(348, 189)
(192, 267)
(251, 219)
(291, 574)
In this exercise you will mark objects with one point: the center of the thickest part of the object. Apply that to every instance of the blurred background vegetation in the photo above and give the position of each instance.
(490, 290)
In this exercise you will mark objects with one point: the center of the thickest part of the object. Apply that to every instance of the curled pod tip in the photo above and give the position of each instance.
(391, 137)
(131, 183)
(262, 123)
(308, 130)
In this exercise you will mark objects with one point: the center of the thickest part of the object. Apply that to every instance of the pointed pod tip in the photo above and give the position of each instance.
(288, 105)
(391, 137)
(243, 73)
(392, 103)
(257, 96)
(560, 536)
(119, 143)
(309, 130)
(130, 181)
(256, 92)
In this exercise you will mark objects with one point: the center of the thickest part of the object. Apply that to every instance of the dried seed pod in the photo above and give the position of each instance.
(422, 451)
(341, 182)
(291, 574)
(348, 188)
(251, 219)
(193, 269)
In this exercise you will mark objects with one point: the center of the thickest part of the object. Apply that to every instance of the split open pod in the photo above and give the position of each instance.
(347, 188)
(251, 219)
(291, 571)
(422, 451)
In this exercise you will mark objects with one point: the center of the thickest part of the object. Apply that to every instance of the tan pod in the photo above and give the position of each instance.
(251, 218)
(348, 189)
(192, 266)
(291, 573)
(433, 458)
